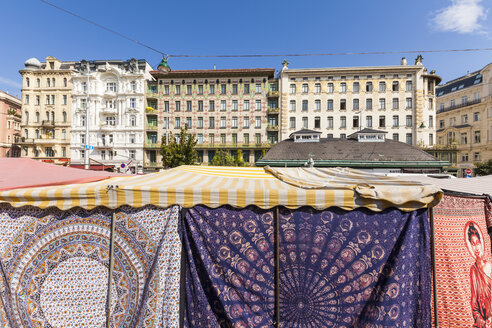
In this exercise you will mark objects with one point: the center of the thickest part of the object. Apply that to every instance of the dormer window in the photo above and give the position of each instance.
(306, 135)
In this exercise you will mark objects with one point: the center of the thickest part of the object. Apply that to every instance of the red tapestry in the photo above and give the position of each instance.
(463, 263)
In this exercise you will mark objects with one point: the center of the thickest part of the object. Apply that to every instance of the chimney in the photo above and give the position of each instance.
(403, 61)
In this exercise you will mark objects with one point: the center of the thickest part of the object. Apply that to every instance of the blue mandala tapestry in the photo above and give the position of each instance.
(229, 267)
(354, 269)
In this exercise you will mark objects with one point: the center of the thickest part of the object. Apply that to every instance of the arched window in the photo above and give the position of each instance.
(64, 117)
(133, 120)
(37, 117)
(48, 82)
(36, 134)
(26, 115)
(64, 81)
(53, 82)
(27, 82)
(64, 134)
(26, 133)
(52, 116)
(47, 116)
(36, 152)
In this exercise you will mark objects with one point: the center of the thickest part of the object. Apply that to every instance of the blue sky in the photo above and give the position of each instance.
(34, 29)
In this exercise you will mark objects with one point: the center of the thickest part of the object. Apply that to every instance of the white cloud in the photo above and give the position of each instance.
(462, 16)
(10, 82)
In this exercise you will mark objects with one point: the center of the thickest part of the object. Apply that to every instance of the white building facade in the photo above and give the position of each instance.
(109, 102)
(337, 102)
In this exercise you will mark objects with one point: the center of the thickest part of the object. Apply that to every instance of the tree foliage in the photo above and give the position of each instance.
(224, 158)
(484, 168)
(181, 152)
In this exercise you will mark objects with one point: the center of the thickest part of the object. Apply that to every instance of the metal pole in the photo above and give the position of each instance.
(433, 263)
(86, 159)
(110, 275)
(276, 315)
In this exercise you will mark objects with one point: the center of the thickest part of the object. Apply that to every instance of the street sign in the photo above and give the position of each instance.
(122, 165)
(468, 171)
(89, 147)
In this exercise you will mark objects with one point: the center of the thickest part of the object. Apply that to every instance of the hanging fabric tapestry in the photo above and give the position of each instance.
(354, 269)
(229, 267)
(463, 263)
(54, 267)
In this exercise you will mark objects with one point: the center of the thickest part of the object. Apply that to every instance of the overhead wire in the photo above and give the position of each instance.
(166, 55)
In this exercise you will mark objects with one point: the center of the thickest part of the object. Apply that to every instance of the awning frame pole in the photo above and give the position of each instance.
(110, 275)
(276, 315)
(433, 264)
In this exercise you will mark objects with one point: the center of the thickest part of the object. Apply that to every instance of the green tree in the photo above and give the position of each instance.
(224, 158)
(181, 152)
(484, 168)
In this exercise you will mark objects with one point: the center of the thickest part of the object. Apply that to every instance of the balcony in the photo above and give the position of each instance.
(273, 110)
(450, 108)
(151, 111)
(273, 93)
(107, 127)
(272, 128)
(102, 144)
(48, 124)
(152, 145)
(151, 127)
(152, 91)
(108, 110)
(152, 164)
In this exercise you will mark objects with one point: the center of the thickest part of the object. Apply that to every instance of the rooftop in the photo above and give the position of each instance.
(269, 72)
(459, 84)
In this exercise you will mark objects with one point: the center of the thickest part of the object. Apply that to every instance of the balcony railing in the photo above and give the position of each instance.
(151, 110)
(273, 110)
(48, 123)
(152, 164)
(468, 103)
(272, 127)
(233, 146)
(273, 93)
(150, 144)
(152, 127)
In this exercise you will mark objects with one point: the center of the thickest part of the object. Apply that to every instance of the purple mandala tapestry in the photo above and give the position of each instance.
(229, 267)
(354, 269)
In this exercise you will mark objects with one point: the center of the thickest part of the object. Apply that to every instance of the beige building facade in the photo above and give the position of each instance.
(10, 121)
(464, 118)
(340, 101)
(46, 110)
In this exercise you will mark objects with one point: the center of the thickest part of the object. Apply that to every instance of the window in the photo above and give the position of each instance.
(292, 123)
(395, 86)
(177, 123)
(317, 105)
(464, 138)
(355, 121)
(133, 120)
(343, 122)
(292, 107)
(409, 103)
(317, 122)
(258, 88)
(476, 136)
(223, 122)
(200, 89)
(110, 86)
(64, 99)
(199, 123)
(476, 96)
(189, 123)
(368, 86)
(258, 138)
(355, 87)
(133, 102)
(330, 122)
(369, 121)
(464, 119)
(452, 103)
(356, 104)
(292, 89)
(211, 106)
(382, 103)
(246, 122)
(396, 121)
(304, 122)
(64, 151)
(211, 123)
(133, 86)
(441, 106)
(166, 89)
(178, 106)
(464, 157)
(305, 88)
(396, 103)
(26, 100)
(49, 152)
(188, 89)
(27, 82)
(408, 121)
(464, 99)
(246, 138)
(476, 116)
(343, 136)
(166, 123)
(234, 122)
(408, 86)
(234, 89)
(177, 89)
(369, 104)
(48, 82)
(36, 134)
(200, 105)
(408, 138)
(396, 136)
(52, 99)
(431, 121)
(452, 121)
(330, 88)
(441, 124)
(431, 139)
(132, 153)
(317, 88)
(246, 105)
(382, 121)
(132, 138)
(257, 122)
(329, 104)
(246, 88)
(343, 87)
(304, 105)
(223, 105)
(82, 139)
(189, 106)
(476, 156)
(37, 117)
(258, 105)
(343, 104)
(82, 120)
(234, 138)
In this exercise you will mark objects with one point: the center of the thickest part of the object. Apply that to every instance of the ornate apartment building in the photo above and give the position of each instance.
(228, 109)
(109, 101)
(340, 101)
(46, 110)
(464, 117)
(10, 125)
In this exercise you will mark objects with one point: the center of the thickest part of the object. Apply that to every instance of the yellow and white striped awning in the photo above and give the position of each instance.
(239, 187)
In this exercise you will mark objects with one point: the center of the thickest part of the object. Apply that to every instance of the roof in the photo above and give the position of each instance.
(366, 130)
(29, 173)
(236, 72)
(304, 131)
(188, 186)
(349, 153)
(476, 186)
(350, 69)
(459, 84)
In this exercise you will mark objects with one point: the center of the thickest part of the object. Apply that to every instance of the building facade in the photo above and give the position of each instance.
(108, 105)
(10, 123)
(464, 117)
(46, 110)
(226, 109)
(340, 101)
